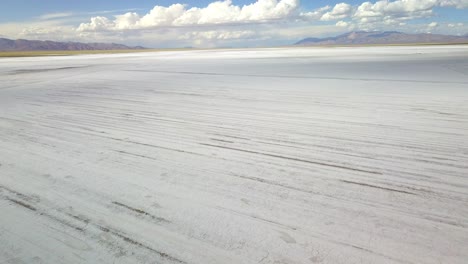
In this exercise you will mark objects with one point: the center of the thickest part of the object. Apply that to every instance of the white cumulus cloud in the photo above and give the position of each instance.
(396, 10)
(455, 3)
(340, 11)
(216, 13)
(315, 14)
(342, 24)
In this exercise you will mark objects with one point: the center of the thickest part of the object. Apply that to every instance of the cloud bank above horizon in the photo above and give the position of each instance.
(261, 22)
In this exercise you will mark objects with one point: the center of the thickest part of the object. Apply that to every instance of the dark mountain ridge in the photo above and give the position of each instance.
(382, 37)
(40, 45)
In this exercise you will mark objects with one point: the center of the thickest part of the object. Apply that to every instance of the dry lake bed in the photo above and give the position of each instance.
(304, 155)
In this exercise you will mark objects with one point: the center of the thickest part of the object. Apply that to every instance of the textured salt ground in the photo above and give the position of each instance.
(327, 155)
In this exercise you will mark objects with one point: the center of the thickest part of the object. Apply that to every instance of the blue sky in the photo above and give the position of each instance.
(17, 10)
(206, 23)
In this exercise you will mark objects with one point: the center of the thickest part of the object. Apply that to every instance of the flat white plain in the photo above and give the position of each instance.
(319, 155)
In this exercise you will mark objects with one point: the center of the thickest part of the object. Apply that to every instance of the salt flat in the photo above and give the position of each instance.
(325, 155)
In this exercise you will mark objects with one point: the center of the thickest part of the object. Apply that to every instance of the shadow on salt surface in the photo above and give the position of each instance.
(44, 70)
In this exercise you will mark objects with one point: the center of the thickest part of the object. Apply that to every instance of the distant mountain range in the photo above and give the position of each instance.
(39, 45)
(387, 37)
